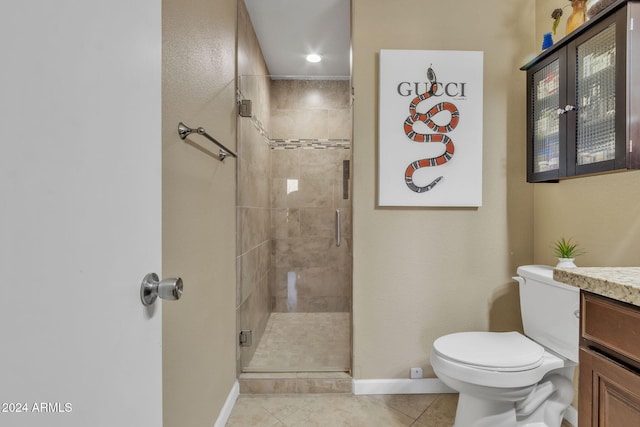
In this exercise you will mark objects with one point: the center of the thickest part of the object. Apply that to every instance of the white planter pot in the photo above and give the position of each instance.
(565, 263)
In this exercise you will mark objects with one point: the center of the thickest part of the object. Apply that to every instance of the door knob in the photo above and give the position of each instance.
(152, 288)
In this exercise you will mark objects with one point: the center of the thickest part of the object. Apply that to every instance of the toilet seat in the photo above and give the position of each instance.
(495, 351)
(454, 356)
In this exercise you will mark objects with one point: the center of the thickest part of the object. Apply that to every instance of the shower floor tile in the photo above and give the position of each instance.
(297, 342)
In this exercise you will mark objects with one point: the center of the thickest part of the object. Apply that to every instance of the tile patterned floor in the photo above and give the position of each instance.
(294, 342)
(345, 410)
(337, 410)
(317, 342)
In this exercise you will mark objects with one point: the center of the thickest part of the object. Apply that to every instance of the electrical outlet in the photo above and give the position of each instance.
(416, 373)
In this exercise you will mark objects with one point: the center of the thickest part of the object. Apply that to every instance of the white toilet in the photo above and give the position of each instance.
(506, 379)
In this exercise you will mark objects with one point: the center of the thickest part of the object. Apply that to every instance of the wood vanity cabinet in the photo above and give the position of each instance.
(583, 105)
(609, 390)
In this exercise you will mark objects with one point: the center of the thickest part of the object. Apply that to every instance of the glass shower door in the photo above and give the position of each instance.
(307, 128)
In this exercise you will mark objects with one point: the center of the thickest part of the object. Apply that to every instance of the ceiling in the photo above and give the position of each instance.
(289, 30)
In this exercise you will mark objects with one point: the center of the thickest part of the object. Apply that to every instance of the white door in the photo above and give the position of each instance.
(80, 212)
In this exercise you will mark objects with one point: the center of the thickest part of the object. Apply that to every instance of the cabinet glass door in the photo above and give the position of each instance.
(546, 125)
(595, 98)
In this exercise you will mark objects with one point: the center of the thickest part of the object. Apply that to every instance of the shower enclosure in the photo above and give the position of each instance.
(294, 225)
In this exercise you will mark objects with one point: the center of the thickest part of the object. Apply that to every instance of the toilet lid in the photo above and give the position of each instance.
(502, 351)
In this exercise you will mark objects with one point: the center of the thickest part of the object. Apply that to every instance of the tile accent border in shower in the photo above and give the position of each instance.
(284, 144)
(310, 143)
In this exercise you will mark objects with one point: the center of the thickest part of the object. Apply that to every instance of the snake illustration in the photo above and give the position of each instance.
(438, 136)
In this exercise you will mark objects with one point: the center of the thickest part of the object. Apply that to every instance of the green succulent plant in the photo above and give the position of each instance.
(565, 248)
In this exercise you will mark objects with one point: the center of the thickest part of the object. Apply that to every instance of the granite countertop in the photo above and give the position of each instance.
(619, 283)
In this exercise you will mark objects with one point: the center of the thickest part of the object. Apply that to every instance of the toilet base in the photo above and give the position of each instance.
(543, 407)
(476, 412)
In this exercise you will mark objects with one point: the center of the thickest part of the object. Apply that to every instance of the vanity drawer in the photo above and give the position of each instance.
(611, 324)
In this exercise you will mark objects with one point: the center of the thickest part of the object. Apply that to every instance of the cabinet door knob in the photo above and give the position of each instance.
(566, 109)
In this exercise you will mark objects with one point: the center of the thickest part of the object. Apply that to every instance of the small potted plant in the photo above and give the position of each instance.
(566, 251)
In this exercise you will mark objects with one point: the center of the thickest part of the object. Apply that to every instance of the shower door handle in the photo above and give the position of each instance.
(337, 227)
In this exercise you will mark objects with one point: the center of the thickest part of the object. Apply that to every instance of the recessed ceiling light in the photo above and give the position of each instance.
(313, 57)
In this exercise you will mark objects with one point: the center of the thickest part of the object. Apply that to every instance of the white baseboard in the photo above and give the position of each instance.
(225, 412)
(401, 386)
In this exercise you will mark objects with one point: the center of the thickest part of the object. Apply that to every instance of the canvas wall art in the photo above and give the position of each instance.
(430, 128)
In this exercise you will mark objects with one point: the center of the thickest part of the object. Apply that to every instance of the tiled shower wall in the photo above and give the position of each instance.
(283, 235)
(253, 263)
(312, 274)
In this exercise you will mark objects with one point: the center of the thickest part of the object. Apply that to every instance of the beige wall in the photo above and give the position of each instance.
(422, 273)
(601, 212)
(198, 209)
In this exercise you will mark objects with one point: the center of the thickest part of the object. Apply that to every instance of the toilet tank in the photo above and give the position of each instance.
(550, 310)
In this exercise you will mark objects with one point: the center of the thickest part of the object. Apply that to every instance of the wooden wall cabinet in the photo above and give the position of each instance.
(609, 390)
(583, 104)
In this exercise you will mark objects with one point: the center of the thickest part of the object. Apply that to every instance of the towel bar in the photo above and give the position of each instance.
(184, 131)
